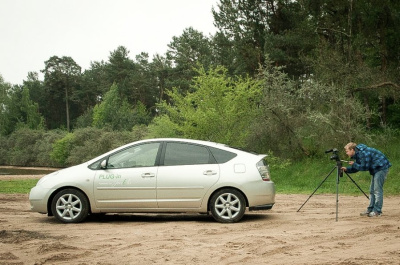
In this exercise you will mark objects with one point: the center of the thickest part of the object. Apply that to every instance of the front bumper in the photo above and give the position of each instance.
(38, 198)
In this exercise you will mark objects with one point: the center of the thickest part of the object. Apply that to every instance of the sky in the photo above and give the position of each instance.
(32, 31)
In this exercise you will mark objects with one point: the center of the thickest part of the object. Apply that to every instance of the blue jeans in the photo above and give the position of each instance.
(376, 191)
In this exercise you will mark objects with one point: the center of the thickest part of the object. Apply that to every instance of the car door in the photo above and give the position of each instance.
(187, 172)
(128, 180)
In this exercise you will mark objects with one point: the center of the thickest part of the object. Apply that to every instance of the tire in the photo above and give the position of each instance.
(227, 206)
(70, 206)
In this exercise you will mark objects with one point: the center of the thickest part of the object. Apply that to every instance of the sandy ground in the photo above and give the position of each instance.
(279, 236)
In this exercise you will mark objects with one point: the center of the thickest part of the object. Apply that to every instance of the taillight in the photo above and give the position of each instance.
(263, 168)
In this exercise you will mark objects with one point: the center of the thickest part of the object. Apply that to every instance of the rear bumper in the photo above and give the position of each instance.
(261, 207)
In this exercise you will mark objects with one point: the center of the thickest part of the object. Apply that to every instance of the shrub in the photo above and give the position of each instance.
(21, 147)
(87, 143)
(62, 149)
(44, 147)
(4, 152)
(218, 108)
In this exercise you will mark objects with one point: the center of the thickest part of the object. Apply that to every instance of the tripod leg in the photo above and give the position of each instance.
(339, 174)
(317, 188)
(357, 185)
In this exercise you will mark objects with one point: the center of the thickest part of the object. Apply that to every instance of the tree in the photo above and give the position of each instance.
(5, 89)
(297, 121)
(251, 30)
(119, 70)
(186, 52)
(144, 82)
(162, 69)
(30, 112)
(116, 113)
(17, 110)
(359, 48)
(291, 38)
(244, 24)
(61, 79)
(136, 82)
(93, 86)
(219, 108)
(36, 90)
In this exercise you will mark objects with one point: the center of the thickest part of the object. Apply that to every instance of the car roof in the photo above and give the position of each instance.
(201, 142)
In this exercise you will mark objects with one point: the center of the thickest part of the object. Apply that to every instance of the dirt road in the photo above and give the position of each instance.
(279, 236)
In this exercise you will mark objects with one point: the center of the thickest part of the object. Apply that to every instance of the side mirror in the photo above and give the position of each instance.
(103, 164)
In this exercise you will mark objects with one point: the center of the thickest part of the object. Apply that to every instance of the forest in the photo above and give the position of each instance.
(284, 77)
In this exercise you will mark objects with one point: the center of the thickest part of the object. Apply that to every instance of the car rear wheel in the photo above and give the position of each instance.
(70, 206)
(227, 206)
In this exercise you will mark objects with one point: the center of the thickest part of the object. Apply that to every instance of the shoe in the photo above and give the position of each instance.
(366, 213)
(374, 214)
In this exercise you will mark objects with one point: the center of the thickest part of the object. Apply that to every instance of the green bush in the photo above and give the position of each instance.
(91, 142)
(27, 147)
(218, 108)
(87, 143)
(85, 120)
(4, 152)
(115, 112)
(62, 149)
(57, 148)
(21, 147)
(44, 147)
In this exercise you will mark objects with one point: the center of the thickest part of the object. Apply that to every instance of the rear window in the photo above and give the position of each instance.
(222, 156)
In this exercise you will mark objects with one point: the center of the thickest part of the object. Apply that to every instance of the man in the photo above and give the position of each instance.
(372, 160)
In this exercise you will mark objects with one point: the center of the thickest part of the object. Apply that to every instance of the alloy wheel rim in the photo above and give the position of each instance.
(68, 206)
(227, 206)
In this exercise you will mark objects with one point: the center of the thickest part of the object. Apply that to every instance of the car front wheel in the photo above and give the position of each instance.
(70, 206)
(227, 206)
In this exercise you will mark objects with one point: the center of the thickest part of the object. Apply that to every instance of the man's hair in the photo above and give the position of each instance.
(350, 146)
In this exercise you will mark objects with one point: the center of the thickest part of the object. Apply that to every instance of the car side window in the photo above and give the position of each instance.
(143, 155)
(186, 154)
(222, 156)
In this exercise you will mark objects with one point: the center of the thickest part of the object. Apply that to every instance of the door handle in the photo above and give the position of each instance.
(209, 172)
(148, 175)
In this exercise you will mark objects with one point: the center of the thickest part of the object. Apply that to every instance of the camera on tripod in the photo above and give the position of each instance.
(335, 155)
(338, 167)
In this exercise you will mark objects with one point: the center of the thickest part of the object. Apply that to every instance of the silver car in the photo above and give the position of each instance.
(159, 176)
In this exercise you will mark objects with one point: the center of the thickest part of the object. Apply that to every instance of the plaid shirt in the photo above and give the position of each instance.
(368, 159)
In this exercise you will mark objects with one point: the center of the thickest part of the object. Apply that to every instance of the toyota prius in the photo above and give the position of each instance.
(159, 176)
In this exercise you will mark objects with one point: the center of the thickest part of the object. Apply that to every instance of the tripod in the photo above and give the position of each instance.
(339, 174)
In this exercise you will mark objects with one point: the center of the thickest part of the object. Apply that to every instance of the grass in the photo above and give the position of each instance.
(305, 176)
(299, 178)
(17, 186)
(296, 178)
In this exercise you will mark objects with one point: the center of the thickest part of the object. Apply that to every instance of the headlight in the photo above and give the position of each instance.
(44, 178)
